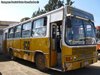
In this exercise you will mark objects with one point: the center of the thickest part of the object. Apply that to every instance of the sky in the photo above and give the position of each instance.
(15, 12)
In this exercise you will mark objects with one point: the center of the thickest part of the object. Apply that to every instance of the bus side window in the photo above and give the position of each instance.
(6, 36)
(11, 33)
(26, 29)
(39, 27)
(18, 31)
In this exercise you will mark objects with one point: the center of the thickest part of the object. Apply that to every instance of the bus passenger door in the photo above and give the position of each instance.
(53, 52)
(55, 45)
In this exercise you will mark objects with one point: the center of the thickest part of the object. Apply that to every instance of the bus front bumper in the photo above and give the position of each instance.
(78, 64)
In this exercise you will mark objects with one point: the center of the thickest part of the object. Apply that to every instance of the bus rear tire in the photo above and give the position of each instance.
(11, 54)
(40, 62)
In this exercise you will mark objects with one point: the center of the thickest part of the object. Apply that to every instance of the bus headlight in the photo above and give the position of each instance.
(74, 57)
(68, 58)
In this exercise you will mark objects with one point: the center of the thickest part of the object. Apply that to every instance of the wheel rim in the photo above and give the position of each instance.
(40, 62)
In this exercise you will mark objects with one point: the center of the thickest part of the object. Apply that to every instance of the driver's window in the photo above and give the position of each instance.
(89, 31)
(75, 34)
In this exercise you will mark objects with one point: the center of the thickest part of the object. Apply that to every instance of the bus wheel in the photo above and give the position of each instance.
(40, 62)
(11, 55)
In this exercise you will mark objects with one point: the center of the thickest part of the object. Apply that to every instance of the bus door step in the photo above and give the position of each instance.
(57, 68)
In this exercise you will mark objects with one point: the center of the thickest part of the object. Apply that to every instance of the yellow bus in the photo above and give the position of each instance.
(62, 39)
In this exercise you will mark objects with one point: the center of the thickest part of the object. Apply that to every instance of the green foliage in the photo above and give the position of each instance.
(39, 12)
(52, 5)
(69, 2)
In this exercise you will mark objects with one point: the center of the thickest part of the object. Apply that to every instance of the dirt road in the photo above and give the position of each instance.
(22, 67)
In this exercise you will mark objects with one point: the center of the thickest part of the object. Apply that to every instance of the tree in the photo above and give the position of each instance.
(53, 4)
(39, 12)
(69, 2)
(60, 3)
(34, 14)
(24, 19)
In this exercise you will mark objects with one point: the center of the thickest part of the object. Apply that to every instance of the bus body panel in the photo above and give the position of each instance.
(9, 43)
(74, 58)
(5, 46)
(17, 47)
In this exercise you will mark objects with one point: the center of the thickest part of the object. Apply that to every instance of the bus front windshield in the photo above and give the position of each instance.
(80, 33)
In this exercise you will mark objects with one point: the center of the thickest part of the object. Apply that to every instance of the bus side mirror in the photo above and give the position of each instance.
(68, 22)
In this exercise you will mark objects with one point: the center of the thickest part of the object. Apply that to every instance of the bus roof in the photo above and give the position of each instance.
(40, 16)
(75, 12)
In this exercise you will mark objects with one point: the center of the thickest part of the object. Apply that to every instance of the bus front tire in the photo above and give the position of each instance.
(40, 62)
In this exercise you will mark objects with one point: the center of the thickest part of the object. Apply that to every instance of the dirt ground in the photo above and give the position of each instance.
(22, 67)
(17, 67)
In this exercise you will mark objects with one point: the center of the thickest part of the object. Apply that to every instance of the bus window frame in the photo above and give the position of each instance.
(84, 33)
(45, 19)
(25, 30)
(10, 33)
(18, 32)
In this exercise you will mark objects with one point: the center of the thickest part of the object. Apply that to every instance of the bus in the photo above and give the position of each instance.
(62, 39)
(98, 38)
